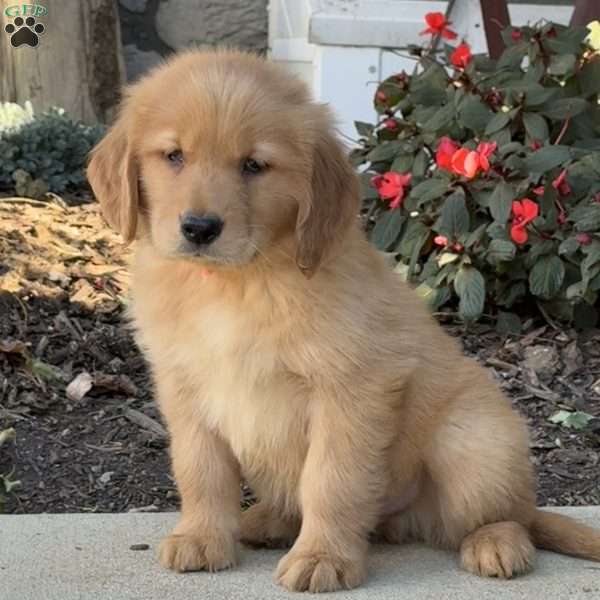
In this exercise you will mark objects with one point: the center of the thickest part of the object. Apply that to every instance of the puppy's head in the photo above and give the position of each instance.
(220, 156)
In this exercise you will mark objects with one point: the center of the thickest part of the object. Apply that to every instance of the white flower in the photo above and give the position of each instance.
(593, 37)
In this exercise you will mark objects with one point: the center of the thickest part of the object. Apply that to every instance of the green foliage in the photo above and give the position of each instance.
(575, 420)
(46, 152)
(506, 219)
(7, 484)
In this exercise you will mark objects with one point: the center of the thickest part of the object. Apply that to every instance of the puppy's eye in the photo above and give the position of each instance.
(175, 157)
(253, 167)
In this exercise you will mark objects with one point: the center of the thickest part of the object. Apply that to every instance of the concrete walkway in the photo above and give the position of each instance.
(89, 557)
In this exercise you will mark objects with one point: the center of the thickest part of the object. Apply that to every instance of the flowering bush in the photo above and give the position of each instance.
(41, 152)
(482, 177)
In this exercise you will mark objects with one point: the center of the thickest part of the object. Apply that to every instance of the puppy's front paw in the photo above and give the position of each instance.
(193, 552)
(319, 572)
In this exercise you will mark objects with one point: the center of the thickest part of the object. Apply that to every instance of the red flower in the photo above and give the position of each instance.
(523, 211)
(437, 25)
(516, 35)
(390, 124)
(539, 190)
(585, 239)
(465, 162)
(391, 186)
(445, 150)
(440, 240)
(485, 150)
(461, 57)
(535, 145)
(462, 161)
(561, 185)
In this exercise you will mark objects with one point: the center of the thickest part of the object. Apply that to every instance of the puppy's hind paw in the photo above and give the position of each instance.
(498, 550)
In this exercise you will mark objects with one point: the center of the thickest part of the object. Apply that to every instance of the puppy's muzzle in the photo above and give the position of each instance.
(200, 230)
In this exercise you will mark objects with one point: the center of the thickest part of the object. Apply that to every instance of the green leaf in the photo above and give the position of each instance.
(568, 246)
(474, 113)
(562, 64)
(512, 57)
(564, 108)
(402, 163)
(594, 284)
(420, 164)
(430, 189)
(572, 419)
(540, 96)
(416, 250)
(470, 287)
(500, 251)
(547, 158)
(440, 119)
(502, 137)
(546, 276)
(475, 236)
(508, 323)
(384, 152)
(589, 78)
(447, 258)
(538, 250)
(7, 435)
(454, 216)
(535, 72)
(496, 231)
(584, 316)
(367, 191)
(568, 40)
(575, 291)
(434, 297)
(414, 230)
(590, 265)
(363, 129)
(8, 483)
(501, 202)
(428, 94)
(386, 230)
(536, 126)
(45, 370)
(509, 293)
(588, 219)
(497, 122)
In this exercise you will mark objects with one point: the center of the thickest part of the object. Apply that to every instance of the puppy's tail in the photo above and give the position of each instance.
(551, 531)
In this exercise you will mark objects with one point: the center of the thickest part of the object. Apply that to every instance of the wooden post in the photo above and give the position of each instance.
(585, 11)
(77, 64)
(495, 19)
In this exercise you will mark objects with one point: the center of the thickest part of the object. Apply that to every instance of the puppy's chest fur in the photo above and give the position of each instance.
(242, 390)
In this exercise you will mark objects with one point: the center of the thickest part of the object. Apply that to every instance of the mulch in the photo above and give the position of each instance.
(78, 393)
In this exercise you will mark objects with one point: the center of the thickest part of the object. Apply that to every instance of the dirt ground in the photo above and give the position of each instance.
(78, 393)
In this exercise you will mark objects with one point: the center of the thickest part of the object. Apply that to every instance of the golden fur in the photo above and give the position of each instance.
(288, 354)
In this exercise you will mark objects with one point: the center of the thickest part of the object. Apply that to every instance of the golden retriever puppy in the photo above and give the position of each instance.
(286, 353)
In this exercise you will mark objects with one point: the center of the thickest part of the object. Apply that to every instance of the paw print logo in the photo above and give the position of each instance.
(24, 32)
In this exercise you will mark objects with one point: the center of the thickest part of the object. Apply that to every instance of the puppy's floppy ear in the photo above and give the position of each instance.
(330, 205)
(113, 175)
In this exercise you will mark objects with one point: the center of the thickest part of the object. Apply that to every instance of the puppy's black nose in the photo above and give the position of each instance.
(201, 229)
